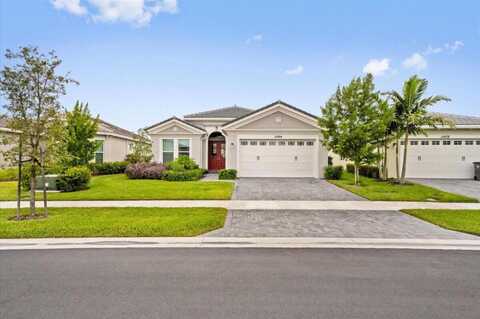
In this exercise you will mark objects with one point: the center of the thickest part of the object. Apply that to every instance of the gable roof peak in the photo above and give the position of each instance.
(234, 111)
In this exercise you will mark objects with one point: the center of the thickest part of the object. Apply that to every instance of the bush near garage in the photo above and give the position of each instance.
(227, 174)
(364, 170)
(74, 179)
(333, 172)
(145, 171)
(108, 168)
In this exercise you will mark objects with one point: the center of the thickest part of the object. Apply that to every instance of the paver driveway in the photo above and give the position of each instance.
(290, 189)
(339, 224)
(466, 187)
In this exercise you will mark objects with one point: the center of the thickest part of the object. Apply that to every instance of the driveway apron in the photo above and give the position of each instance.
(290, 189)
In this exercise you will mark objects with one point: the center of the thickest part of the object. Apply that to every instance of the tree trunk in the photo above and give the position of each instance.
(385, 161)
(45, 208)
(404, 165)
(32, 189)
(397, 160)
(19, 183)
(357, 180)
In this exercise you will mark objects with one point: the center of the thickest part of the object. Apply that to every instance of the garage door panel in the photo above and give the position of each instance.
(276, 160)
(442, 161)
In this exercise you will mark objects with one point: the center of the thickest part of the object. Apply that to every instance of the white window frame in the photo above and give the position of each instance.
(175, 147)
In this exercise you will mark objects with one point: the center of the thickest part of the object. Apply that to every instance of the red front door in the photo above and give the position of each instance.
(216, 155)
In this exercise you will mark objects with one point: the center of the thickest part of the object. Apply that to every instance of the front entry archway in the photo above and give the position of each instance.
(216, 152)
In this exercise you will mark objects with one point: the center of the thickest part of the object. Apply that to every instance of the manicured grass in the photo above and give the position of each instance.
(8, 174)
(114, 222)
(386, 191)
(119, 187)
(467, 221)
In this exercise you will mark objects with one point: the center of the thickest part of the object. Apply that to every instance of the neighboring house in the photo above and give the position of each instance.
(278, 140)
(444, 153)
(115, 142)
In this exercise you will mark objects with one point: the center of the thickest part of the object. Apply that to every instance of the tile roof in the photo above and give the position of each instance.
(459, 119)
(108, 128)
(176, 119)
(224, 112)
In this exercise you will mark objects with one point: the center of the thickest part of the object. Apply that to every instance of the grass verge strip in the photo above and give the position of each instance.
(114, 222)
(466, 221)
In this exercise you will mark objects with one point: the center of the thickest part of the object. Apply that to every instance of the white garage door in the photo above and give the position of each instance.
(277, 158)
(428, 158)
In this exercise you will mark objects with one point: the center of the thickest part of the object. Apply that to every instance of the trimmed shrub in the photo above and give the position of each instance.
(369, 171)
(227, 174)
(183, 175)
(333, 172)
(108, 168)
(350, 168)
(8, 174)
(365, 170)
(134, 158)
(145, 171)
(182, 163)
(74, 179)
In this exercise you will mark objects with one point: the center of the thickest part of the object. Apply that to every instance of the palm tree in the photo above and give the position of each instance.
(411, 114)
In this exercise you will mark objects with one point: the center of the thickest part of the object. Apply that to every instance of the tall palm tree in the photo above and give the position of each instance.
(411, 115)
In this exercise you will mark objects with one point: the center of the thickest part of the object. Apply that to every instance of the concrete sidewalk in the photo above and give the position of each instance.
(259, 204)
(215, 242)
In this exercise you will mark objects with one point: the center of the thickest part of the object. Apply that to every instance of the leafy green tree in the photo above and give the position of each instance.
(350, 122)
(142, 149)
(79, 137)
(411, 114)
(32, 86)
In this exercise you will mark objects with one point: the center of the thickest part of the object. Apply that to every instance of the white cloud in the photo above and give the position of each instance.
(295, 71)
(72, 6)
(447, 47)
(415, 61)
(377, 67)
(453, 47)
(136, 12)
(256, 38)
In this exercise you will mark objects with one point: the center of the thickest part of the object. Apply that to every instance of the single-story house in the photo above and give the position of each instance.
(446, 152)
(115, 142)
(277, 140)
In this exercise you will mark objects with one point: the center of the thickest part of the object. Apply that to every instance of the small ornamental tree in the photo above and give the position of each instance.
(32, 86)
(79, 138)
(142, 149)
(350, 122)
(411, 113)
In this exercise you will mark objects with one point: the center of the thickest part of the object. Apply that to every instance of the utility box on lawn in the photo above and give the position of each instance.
(50, 180)
(476, 166)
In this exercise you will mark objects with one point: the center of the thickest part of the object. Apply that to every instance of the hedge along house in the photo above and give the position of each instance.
(115, 142)
(277, 140)
(446, 152)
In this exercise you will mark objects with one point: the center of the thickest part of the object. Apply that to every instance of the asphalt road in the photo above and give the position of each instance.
(239, 283)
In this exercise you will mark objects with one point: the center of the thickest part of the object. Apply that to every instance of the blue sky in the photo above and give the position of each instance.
(141, 61)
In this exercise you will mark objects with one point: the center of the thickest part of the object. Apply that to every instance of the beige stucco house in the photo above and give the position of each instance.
(277, 140)
(116, 142)
(446, 152)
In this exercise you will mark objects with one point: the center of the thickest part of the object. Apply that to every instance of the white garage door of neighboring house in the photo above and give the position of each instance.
(428, 158)
(277, 158)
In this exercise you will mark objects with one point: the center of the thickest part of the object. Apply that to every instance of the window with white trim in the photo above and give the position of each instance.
(413, 142)
(99, 152)
(446, 142)
(167, 150)
(243, 142)
(468, 142)
(435, 142)
(425, 143)
(457, 142)
(184, 147)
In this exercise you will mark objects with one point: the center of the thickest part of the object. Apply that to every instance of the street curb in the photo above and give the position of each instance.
(221, 242)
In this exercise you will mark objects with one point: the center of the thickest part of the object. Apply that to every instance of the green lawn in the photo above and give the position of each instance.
(119, 187)
(114, 222)
(467, 221)
(385, 191)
